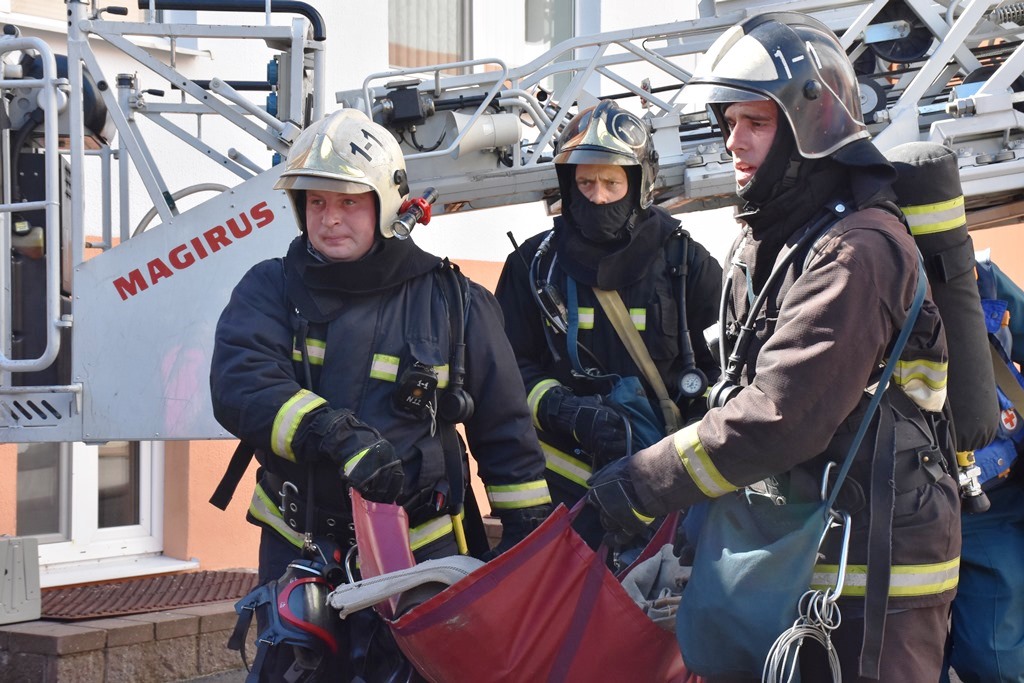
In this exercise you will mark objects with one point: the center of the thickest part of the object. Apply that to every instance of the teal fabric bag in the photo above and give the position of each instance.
(628, 398)
(753, 562)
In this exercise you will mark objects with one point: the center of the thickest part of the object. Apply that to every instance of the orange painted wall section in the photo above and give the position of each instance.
(195, 529)
(1007, 245)
(8, 489)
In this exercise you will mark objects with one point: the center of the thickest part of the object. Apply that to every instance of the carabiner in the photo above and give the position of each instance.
(844, 553)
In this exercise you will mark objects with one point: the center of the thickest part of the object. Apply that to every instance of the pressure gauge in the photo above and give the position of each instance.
(693, 383)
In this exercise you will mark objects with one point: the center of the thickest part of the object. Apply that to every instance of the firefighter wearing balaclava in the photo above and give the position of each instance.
(784, 93)
(340, 364)
(610, 236)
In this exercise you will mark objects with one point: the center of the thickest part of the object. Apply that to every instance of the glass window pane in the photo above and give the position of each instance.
(40, 501)
(118, 484)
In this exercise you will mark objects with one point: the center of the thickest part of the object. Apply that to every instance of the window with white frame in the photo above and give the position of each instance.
(92, 508)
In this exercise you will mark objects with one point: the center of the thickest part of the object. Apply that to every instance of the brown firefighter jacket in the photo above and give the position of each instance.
(820, 342)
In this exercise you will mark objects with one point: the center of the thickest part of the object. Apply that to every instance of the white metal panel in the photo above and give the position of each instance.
(145, 314)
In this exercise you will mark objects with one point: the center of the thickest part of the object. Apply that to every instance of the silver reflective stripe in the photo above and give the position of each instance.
(927, 219)
(586, 317)
(262, 508)
(906, 580)
(639, 318)
(287, 421)
(430, 531)
(384, 367)
(698, 465)
(518, 496)
(315, 348)
(923, 381)
(564, 465)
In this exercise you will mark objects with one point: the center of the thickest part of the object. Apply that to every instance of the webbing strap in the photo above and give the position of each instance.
(616, 311)
(879, 559)
(232, 475)
(1005, 380)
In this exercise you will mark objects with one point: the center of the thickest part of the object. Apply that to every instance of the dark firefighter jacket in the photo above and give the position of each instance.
(648, 291)
(368, 322)
(819, 344)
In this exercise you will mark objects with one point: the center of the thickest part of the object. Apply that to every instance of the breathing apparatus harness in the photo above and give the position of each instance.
(742, 335)
(415, 392)
(320, 569)
(550, 301)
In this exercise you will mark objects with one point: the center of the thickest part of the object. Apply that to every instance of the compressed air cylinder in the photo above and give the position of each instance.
(929, 193)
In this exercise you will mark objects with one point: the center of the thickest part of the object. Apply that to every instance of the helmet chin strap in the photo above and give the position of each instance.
(791, 174)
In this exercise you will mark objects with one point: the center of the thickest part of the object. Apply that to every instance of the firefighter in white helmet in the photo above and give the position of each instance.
(348, 363)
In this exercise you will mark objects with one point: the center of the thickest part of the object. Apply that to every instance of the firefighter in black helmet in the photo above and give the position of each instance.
(590, 399)
(785, 95)
(349, 362)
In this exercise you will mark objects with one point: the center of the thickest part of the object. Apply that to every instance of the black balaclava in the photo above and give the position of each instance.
(628, 238)
(604, 223)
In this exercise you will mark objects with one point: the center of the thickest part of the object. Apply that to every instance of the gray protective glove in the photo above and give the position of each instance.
(612, 493)
(598, 428)
(366, 460)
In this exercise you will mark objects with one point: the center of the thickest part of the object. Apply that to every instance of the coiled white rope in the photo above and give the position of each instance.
(818, 616)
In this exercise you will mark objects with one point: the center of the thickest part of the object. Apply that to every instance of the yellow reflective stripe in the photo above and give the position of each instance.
(263, 509)
(907, 580)
(536, 394)
(518, 496)
(639, 318)
(429, 532)
(586, 318)
(927, 219)
(923, 381)
(698, 465)
(566, 466)
(384, 367)
(351, 463)
(442, 375)
(287, 421)
(315, 349)
(642, 517)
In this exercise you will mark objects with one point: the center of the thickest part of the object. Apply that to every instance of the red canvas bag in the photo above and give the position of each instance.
(546, 610)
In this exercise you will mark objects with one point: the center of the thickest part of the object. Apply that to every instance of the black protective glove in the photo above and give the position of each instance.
(517, 525)
(612, 493)
(366, 460)
(376, 472)
(598, 428)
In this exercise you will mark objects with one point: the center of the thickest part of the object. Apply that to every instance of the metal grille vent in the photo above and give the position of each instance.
(35, 410)
(149, 594)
